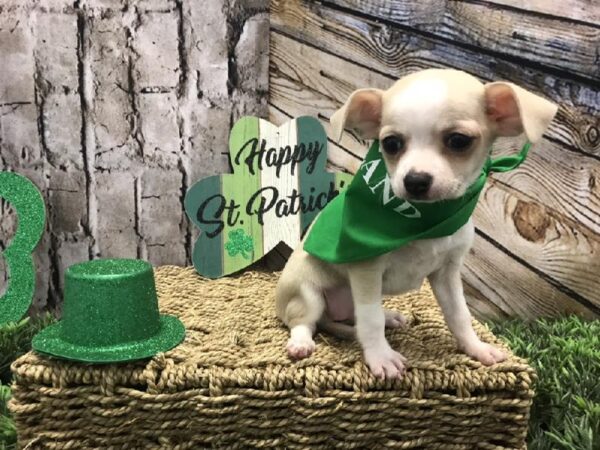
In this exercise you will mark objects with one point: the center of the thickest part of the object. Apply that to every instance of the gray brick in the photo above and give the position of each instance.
(71, 251)
(209, 141)
(167, 254)
(112, 107)
(115, 212)
(158, 117)
(161, 208)
(250, 104)
(19, 137)
(41, 261)
(208, 47)
(108, 4)
(251, 54)
(157, 49)
(62, 128)
(139, 131)
(16, 55)
(67, 196)
(155, 5)
(56, 50)
(157, 182)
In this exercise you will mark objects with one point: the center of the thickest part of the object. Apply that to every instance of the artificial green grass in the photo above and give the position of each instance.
(8, 432)
(15, 340)
(565, 353)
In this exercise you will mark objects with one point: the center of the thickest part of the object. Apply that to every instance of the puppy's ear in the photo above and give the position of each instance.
(362, 111)
(512, 110)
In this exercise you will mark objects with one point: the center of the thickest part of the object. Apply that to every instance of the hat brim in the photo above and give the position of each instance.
(49, 342)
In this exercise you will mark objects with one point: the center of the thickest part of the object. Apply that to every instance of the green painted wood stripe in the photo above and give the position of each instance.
(342, 180)
(206, 256)
(241, 187)
(310, 131)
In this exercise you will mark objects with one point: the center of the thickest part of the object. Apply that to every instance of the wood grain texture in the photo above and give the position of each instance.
(338, 158)
(549, 208)
(530, 39)
(577, 10)
(512, 288)
(393, 53)
(546, 242)
(568, 183)
(286, 228)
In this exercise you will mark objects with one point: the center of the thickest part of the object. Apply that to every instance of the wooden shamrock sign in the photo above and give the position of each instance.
(278, 186)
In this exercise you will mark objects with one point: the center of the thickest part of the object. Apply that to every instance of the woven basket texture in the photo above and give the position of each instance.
(231, 385)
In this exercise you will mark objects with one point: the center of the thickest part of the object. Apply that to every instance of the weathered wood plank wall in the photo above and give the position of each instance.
(537, 250)
(113, 108)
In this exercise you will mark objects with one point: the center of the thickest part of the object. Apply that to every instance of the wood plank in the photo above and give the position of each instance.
(579, 10)
(242, 186)
(285, 228)
(393, 54)
(338, 159)
(480, 306)
(527, 38)
(559, 248)
(513, 288)
(565, 183)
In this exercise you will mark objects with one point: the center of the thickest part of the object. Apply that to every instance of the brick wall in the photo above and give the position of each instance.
(114, 108)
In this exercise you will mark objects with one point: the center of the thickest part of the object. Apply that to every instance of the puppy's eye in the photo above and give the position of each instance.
(393, 145)
(458, 142)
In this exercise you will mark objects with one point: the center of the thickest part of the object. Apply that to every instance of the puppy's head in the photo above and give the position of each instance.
(436, 127)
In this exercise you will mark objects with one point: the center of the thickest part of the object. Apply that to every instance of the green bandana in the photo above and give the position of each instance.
(367, 220)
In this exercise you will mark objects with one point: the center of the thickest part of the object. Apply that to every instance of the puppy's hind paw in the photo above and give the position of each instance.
(300, 348)
(393, 319)
(486, 354)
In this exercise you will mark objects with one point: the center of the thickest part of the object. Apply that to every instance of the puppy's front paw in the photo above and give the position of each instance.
(393, 319)
(385, 362)
(485, 353)
(300, 348)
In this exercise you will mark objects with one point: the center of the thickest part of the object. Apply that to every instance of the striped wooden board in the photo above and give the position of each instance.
(278, 186)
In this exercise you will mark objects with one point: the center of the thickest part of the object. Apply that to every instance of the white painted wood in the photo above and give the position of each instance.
(277, 229)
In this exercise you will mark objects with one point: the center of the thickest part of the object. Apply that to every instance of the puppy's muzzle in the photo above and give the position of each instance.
(417, 184)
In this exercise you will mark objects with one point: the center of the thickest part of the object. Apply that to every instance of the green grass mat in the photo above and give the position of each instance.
(566, 355)
(15, 340)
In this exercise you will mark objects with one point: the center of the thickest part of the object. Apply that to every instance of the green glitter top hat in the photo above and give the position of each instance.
(110, 314)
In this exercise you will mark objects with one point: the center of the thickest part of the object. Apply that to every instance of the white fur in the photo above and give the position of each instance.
(423, 107)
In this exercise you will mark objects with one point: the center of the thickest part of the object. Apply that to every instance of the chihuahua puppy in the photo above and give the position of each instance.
(435, 129)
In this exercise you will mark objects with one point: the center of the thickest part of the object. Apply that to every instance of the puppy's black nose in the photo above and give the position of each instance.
(417, 183)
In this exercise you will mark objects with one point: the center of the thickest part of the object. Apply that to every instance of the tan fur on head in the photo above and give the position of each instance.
(425, 108)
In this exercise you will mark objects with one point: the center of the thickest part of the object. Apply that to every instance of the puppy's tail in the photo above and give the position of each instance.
(337, 329)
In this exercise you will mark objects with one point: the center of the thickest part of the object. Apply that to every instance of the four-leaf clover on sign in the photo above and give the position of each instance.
(239, 243)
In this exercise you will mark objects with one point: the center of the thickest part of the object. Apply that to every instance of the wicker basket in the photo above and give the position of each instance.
(231, 385)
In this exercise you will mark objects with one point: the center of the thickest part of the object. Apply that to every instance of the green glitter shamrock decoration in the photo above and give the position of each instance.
(28, 203)
(239, 243)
